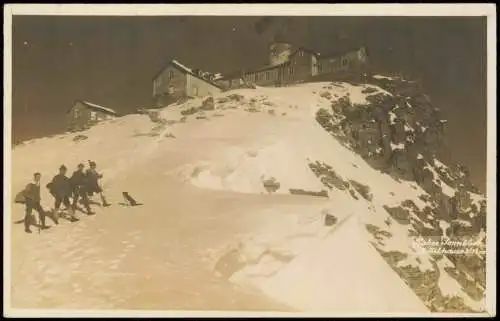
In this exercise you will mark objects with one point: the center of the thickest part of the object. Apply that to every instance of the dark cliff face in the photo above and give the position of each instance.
(402, 134)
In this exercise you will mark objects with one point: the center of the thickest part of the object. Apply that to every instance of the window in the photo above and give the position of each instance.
(157, 84)
(76, 113)
(195, 90)
(268, 76)
(93, 116)
(301, 53)
(170, 74)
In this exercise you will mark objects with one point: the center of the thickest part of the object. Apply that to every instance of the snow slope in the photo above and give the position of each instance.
(346, 262)
(200, 176)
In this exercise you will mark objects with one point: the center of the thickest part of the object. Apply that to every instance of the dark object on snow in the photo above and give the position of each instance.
(295, 191)
(30, 219)
(229, 264)
(271, 185)
(330, 220)
(78, 179)
(130, 200)
(79, 184)
(20, 199)
(78, 138)
(67, 214)
(93, 183)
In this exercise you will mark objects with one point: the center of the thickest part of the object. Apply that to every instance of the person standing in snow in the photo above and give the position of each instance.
(60, 187)
(32, 200)
(79, 188)
(93, 182)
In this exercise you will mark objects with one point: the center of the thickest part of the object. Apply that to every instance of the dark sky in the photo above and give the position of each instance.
(111, 60)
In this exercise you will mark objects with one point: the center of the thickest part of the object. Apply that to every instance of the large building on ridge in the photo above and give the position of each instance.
(287, 65)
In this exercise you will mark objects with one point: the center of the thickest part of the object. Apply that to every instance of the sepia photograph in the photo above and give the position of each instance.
(251, 159)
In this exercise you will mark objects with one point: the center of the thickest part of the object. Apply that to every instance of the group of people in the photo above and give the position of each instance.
(79, 186)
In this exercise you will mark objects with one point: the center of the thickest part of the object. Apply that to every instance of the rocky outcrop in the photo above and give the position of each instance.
(400, 134)
(208, 104)
(330, 220)
(392, 132)
(362, 189)
(425, 284)
(297, 191)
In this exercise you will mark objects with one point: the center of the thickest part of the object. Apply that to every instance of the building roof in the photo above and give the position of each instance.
(218, 76)
(175, 63)
(330, 55)
(307, 50)
(181, 66)
(97, 107)
(340, 52)
(269, 67)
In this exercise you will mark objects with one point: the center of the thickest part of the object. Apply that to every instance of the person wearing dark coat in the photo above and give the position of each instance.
(60, 188)
(93, 182)
(32, 200)
(79, 188)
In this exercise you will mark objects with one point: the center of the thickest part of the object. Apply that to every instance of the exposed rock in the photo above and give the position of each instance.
(399, 214)
(271, 185)
(154, 116)
(325, 94)
(425, 285)
(295, 191)
(229, 263)
(201, 115)
(468, 285)
(252, 109)
(368, 90)
(353, 194)
(401, 135)
(223, 100)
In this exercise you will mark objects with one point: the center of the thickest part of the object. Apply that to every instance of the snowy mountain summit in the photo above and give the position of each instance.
(325, 197)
